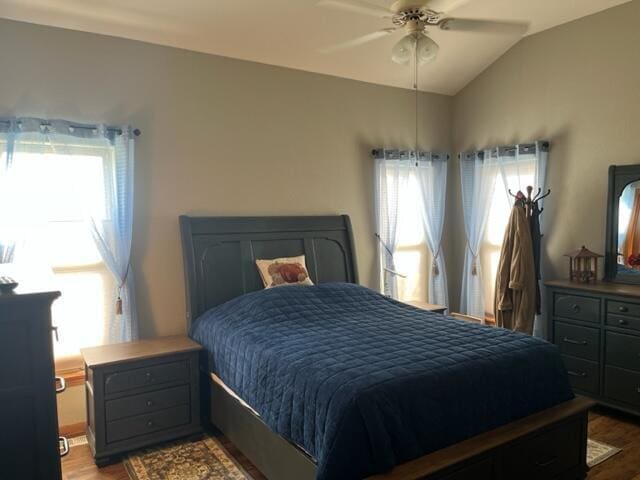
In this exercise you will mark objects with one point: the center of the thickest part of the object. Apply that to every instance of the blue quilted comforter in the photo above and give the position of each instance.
(363, 382)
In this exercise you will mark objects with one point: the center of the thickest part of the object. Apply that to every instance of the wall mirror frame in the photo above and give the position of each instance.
(623, 225)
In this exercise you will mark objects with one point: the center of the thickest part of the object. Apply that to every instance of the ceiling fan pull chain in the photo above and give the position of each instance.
(415, 86)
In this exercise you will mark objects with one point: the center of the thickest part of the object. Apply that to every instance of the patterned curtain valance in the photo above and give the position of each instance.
(507, 151)
(17, 125)
(396, 154)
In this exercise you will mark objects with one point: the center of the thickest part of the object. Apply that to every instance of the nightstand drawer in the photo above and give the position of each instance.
(577, 341)
(147, 402)
(145, 424)
(145, 377)
(576, 307)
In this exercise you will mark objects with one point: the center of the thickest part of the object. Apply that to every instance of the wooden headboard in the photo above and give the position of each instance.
(219, 253)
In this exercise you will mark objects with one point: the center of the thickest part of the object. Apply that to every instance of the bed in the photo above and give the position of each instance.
(337, 381)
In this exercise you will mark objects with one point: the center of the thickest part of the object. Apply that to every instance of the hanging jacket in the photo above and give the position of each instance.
(515, 293)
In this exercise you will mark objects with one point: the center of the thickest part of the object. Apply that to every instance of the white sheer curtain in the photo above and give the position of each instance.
(391, 175)
(431, 172)
(113, 234)
(478, 173)
(7, 242)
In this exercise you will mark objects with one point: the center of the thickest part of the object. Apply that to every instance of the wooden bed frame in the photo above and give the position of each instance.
(219, 254)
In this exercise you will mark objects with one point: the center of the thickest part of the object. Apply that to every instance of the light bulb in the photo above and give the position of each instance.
(403, 51)
(427, 49)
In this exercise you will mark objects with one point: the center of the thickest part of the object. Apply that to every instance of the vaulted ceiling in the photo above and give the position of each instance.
(289, 33)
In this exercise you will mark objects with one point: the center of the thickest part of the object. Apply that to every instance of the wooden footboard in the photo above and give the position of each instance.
(549, 445)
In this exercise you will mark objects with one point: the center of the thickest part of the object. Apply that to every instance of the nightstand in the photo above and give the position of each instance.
(140, 393)
(431, 307)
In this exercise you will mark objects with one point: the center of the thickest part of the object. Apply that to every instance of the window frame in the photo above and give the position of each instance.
(67, 365)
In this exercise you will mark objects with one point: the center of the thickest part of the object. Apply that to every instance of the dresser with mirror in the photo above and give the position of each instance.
(596, 325)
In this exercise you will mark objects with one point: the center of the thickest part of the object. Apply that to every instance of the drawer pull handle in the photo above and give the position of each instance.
(547, 462)
(149, 403)
(150, 424)
(149, 377)
(577, 374)
(62, 383)
(64, 446)
(575, 308)
(623, 322)
(574, 342)
(623, 309)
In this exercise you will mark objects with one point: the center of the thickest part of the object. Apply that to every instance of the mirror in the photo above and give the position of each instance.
(622, 259)
(628, 251)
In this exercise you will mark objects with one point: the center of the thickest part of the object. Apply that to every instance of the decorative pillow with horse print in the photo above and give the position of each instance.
(283, 271)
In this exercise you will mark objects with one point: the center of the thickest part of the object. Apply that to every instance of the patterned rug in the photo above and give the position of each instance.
(204, 459)
(598, 452)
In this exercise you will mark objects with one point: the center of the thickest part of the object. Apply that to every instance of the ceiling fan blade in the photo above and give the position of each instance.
(483, 26)
(359, 41)
(357, 6)
(446, 6)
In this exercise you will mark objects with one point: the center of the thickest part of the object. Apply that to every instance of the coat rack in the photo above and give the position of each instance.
(532, 212)
(528, 201)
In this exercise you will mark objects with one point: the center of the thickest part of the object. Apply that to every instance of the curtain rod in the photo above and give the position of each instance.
(508, 150)
(399, 154)
(117, 130)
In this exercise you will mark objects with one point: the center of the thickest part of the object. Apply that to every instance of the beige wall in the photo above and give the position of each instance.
(220, 137)
(71, 406)
(578, 86)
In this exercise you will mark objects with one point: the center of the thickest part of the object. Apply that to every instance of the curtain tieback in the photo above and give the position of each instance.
(474, 261)
(120, 287)
(434, 265)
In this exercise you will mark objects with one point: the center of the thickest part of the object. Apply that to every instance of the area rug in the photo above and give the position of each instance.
(204, 459)
(598, 452)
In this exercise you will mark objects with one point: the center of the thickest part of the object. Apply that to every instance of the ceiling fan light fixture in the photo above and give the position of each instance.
(403, 51)
(427, 49)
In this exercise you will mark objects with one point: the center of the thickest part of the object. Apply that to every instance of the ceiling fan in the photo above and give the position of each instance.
(414, 17)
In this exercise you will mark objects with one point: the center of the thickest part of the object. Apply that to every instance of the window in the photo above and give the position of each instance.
(52, 193)
(411, 256)
(517, 176)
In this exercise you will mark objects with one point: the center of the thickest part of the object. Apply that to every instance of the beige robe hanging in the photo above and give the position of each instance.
(515, 293)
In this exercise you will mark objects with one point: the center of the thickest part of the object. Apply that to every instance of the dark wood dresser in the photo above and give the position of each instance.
(29, 443)
(597, 328)
(141, 393)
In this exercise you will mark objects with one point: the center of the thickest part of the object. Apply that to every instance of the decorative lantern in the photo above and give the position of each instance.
(583, 265)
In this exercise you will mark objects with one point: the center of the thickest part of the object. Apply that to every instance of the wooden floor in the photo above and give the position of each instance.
(604, 425)
(622, 431)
